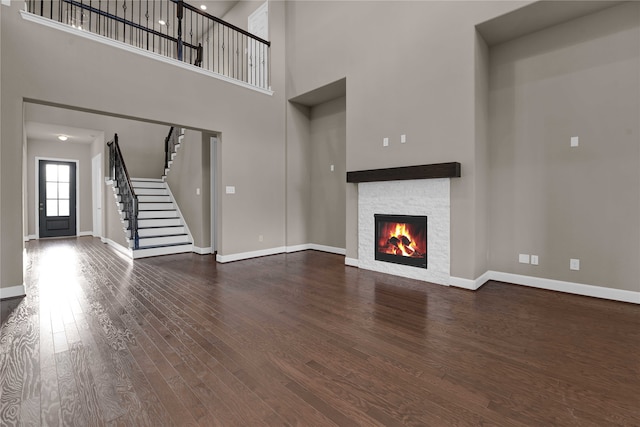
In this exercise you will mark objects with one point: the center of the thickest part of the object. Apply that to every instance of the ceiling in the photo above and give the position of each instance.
(49, 132)
(217, 8)
(537, 16)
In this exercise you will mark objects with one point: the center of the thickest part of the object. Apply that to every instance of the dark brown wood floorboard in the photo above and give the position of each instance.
(301, 339)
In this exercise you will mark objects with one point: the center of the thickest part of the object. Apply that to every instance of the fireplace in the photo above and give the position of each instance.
(401, 239)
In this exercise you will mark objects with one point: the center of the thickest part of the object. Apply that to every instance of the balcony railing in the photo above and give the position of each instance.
(172, 28)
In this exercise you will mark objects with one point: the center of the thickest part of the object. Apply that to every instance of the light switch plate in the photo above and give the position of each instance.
(230, 189)
(575, 141)
(385, 142)
(534, 259)
(523, 258)
(403, 138)
(574, 264)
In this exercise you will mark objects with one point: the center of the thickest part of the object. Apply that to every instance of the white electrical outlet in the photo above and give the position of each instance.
(534, 259)
(403, 138)
(575, 141)
(230, 189)
(574, 264)
(260, 238)
(197, 191)
(523, 258)
(332, 168)
(385, 142)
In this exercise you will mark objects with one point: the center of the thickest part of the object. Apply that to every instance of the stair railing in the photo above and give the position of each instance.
(170, 143)
(118, 173)
(172, 28)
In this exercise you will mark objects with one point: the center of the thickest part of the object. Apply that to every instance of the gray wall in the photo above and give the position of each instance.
(581, 78)
(66, 151)
(316, 196)
(142, 143)
(417, 79)
(84, 74)
(298, 183)
(328, 188)
(190, 171)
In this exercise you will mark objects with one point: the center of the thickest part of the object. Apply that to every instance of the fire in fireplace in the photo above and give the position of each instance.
(401, 239)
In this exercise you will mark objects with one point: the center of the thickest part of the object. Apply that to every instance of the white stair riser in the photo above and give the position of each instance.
(163, 240)
(144, 198)
(151, 183)
(143, 191)
(159, 222)
(157, 214)
(156, 207)
(161, 231)
(142, 207)
(144, 253)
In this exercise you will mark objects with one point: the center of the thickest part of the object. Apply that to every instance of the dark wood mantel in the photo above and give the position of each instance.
(438, 170)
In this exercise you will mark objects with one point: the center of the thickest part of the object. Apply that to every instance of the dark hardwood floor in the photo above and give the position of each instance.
(300, 339)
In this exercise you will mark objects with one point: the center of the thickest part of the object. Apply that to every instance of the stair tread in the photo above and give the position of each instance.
(160, 226)
(163, 246)
(163, 235)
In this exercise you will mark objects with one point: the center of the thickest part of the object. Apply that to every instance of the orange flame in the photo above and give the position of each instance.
(398, 239)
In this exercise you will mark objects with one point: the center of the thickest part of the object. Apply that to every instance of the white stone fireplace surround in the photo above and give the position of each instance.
(430, 197)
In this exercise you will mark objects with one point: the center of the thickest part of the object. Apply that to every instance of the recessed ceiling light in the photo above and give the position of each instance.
(162, 22)
(63, 137)
(203, 6)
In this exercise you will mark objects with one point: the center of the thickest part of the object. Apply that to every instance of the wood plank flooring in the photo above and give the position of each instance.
(301, 339)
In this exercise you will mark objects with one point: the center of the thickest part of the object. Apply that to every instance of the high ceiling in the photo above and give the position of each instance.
(217, 8)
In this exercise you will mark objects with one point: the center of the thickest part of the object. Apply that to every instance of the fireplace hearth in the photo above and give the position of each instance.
(401, 239)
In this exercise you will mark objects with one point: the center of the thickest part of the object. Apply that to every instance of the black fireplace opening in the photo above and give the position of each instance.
(401, 239)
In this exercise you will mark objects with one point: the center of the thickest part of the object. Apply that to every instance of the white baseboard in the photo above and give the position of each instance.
(248, 255)
(316, 247)
(298, 248)
(473, 285)
(85, 233)
(30, 237)
(202, 251)
(352, 262)
(568, 287)
(118, 247)
(329, 249)
(12, 292)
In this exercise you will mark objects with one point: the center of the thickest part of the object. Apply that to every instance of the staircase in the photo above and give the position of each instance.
(152, 222)
(161, 228)
(172, 142)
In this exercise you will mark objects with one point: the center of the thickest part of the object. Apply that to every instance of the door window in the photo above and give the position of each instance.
(57, 189)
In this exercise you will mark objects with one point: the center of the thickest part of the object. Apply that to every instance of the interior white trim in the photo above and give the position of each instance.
(12, 292)
(330, 249)
(85, 233)
(252, 254)
(202, 251)
(298, 248)
(352, 262)
(118, 247)
(473, 285)
(27, 16)
(316, 247)
(30, 237)
(567, 287)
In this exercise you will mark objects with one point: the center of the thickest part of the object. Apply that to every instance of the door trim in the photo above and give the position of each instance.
(37, 191)
(213, 178)
(96, 194)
